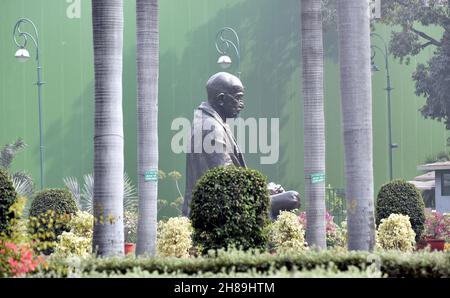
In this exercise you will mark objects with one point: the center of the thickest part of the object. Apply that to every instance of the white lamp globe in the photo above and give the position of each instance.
(22, 55)
(224, 62)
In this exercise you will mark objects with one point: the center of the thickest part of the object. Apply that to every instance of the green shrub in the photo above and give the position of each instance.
(395, 232)
(16, 232)
(8, 197)
(77, 242)
(59, 200)
(390, 264)
(50, 213)
(401, 197)
(174, 237)
(287, 233)
(330, 271)
(230, 207)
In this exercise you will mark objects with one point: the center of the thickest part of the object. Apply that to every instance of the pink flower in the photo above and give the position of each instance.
(11, 246)
(330, 225)
(437, 225)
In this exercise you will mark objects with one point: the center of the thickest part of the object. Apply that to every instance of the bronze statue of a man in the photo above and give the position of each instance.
(225, 101)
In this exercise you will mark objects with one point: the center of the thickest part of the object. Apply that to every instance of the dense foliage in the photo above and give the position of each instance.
(287, 233)
(395, 232)
(50, 214)
(59, 200)
(431, 78)
(174, 237)
(8, 197)
(78, 241)
(401, 197)
(230, 207)
(391, 264)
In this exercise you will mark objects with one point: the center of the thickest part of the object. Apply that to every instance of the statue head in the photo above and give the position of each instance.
(226, 94)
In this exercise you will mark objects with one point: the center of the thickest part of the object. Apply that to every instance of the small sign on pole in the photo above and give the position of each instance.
(151, 175)
(317, 178)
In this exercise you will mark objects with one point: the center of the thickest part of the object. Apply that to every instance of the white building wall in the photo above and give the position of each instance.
(442, 202)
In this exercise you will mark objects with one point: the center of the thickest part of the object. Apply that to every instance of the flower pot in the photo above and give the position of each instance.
(421, 244)
(129, 248)
(435, 244)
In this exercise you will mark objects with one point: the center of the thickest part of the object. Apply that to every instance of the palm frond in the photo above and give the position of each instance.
(9, 151)
(88, 193)
(74, 187)
(85, 196)
(23, 187)
(130, 197)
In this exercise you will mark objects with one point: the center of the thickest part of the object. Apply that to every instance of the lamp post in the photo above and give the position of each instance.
(384, 51)
(223, 45)
(21, 39)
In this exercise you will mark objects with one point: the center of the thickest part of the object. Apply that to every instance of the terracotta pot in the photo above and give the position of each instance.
(129, 248)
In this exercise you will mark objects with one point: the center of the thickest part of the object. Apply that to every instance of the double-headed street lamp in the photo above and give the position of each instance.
(223, 45)
(385, 52)
(21, 39)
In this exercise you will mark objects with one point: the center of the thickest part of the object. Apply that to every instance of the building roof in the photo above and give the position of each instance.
(444, 165)
(425, 177)
(424, 185)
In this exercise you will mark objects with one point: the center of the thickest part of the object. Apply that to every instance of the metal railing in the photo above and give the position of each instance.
(335, 203)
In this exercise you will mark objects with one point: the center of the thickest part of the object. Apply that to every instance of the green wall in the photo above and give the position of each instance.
(271, 70)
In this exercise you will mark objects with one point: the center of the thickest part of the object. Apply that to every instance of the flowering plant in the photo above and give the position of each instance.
(334, 234)
(437, 226)
(130, 226)
(396, 233)
(288, 234)
(17, 259)
(174, 237)
(78, 241)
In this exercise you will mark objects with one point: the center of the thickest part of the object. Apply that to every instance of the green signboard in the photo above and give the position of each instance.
(317, 178)
(151, 175)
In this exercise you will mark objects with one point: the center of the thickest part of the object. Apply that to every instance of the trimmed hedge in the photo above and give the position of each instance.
(50, 213)
(8, 197)
(401, 197)
(230, 207)
(391, 264)
(59, 200)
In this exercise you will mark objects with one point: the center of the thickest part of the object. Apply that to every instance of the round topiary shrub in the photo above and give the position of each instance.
(401, 197)
(8, 197)
(395, 232)
(230, 207)
(50, 213)
(59, 200)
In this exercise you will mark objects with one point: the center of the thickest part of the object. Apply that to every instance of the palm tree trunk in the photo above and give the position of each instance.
(107, 18)
(356, 94)
(314, 122)
(147, 109)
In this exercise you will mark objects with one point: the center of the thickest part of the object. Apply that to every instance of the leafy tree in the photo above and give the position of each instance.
(432, 79)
